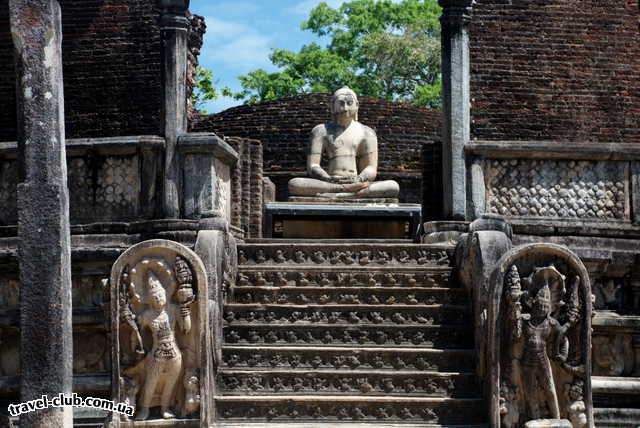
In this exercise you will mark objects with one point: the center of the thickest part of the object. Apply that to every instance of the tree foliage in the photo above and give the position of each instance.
(380, 48)
(205, 89)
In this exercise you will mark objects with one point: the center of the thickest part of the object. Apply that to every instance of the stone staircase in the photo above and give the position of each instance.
(347, 332)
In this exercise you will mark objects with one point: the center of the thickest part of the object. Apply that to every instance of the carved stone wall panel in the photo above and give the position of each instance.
(87, 292)
(9, 352)
(595, 190)
(614, 355)
(159, 326)
(540, 337)
(91, 353)
(104, 188)
(9, 292)
(8, 192)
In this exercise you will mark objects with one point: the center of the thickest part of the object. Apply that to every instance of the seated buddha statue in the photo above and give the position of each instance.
(351, 149)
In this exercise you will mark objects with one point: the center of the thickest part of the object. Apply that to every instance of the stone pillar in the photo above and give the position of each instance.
(455, 103)
(174, 26)
(43, 211)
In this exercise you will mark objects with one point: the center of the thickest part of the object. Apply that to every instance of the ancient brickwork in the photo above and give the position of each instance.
(562, 71)
(112, 78)
(284, 126)
(246, 186)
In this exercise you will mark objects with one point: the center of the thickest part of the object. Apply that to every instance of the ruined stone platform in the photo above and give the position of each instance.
(342, 220)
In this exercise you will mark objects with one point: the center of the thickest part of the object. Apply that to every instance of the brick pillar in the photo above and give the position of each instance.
(236, 185)
(255, 190)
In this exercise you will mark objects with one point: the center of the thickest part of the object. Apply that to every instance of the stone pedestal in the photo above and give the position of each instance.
(341, 220)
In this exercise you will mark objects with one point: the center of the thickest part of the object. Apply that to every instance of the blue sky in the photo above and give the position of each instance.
(240, 35)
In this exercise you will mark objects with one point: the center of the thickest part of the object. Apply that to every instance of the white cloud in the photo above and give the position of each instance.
(224, 29)
(235, 44)
(221, 104)
(305, 6)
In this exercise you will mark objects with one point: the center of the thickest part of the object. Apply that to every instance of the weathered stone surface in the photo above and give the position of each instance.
(246, 187)
(109, 179)
(43, 211)
(555, 188)
(352, 152)
(346, 201)
(540, 337)
(456, 103)
(268, 190)
(549, 423)
(334, 333)
(340, 221)
(174, 31)
(160, 330)
(477, 253)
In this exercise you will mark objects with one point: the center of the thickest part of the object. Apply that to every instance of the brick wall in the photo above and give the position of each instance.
(246, 186)
(555, 70)
(111, 66)
(284, 125)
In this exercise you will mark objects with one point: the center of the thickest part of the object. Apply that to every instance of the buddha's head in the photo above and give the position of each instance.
(344, 104)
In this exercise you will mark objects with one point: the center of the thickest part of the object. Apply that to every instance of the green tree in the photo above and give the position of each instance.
(205, 89)
(378, 47)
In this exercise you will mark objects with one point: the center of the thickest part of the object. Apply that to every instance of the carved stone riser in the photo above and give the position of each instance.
(325, 409)
(300, 316)
(355, 382)
(348, 358)
(630, 400)
(341, 334)
(343, 255)
(305, 278)
(348, 295)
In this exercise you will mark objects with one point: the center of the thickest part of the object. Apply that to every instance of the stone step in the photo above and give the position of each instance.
(365, 409)
(344, 254)
(408, 383)
(237, 314)
(389, 359)
(616, 418)
(402, 335)
(341, 424)
(387, 296)
(313, 276)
